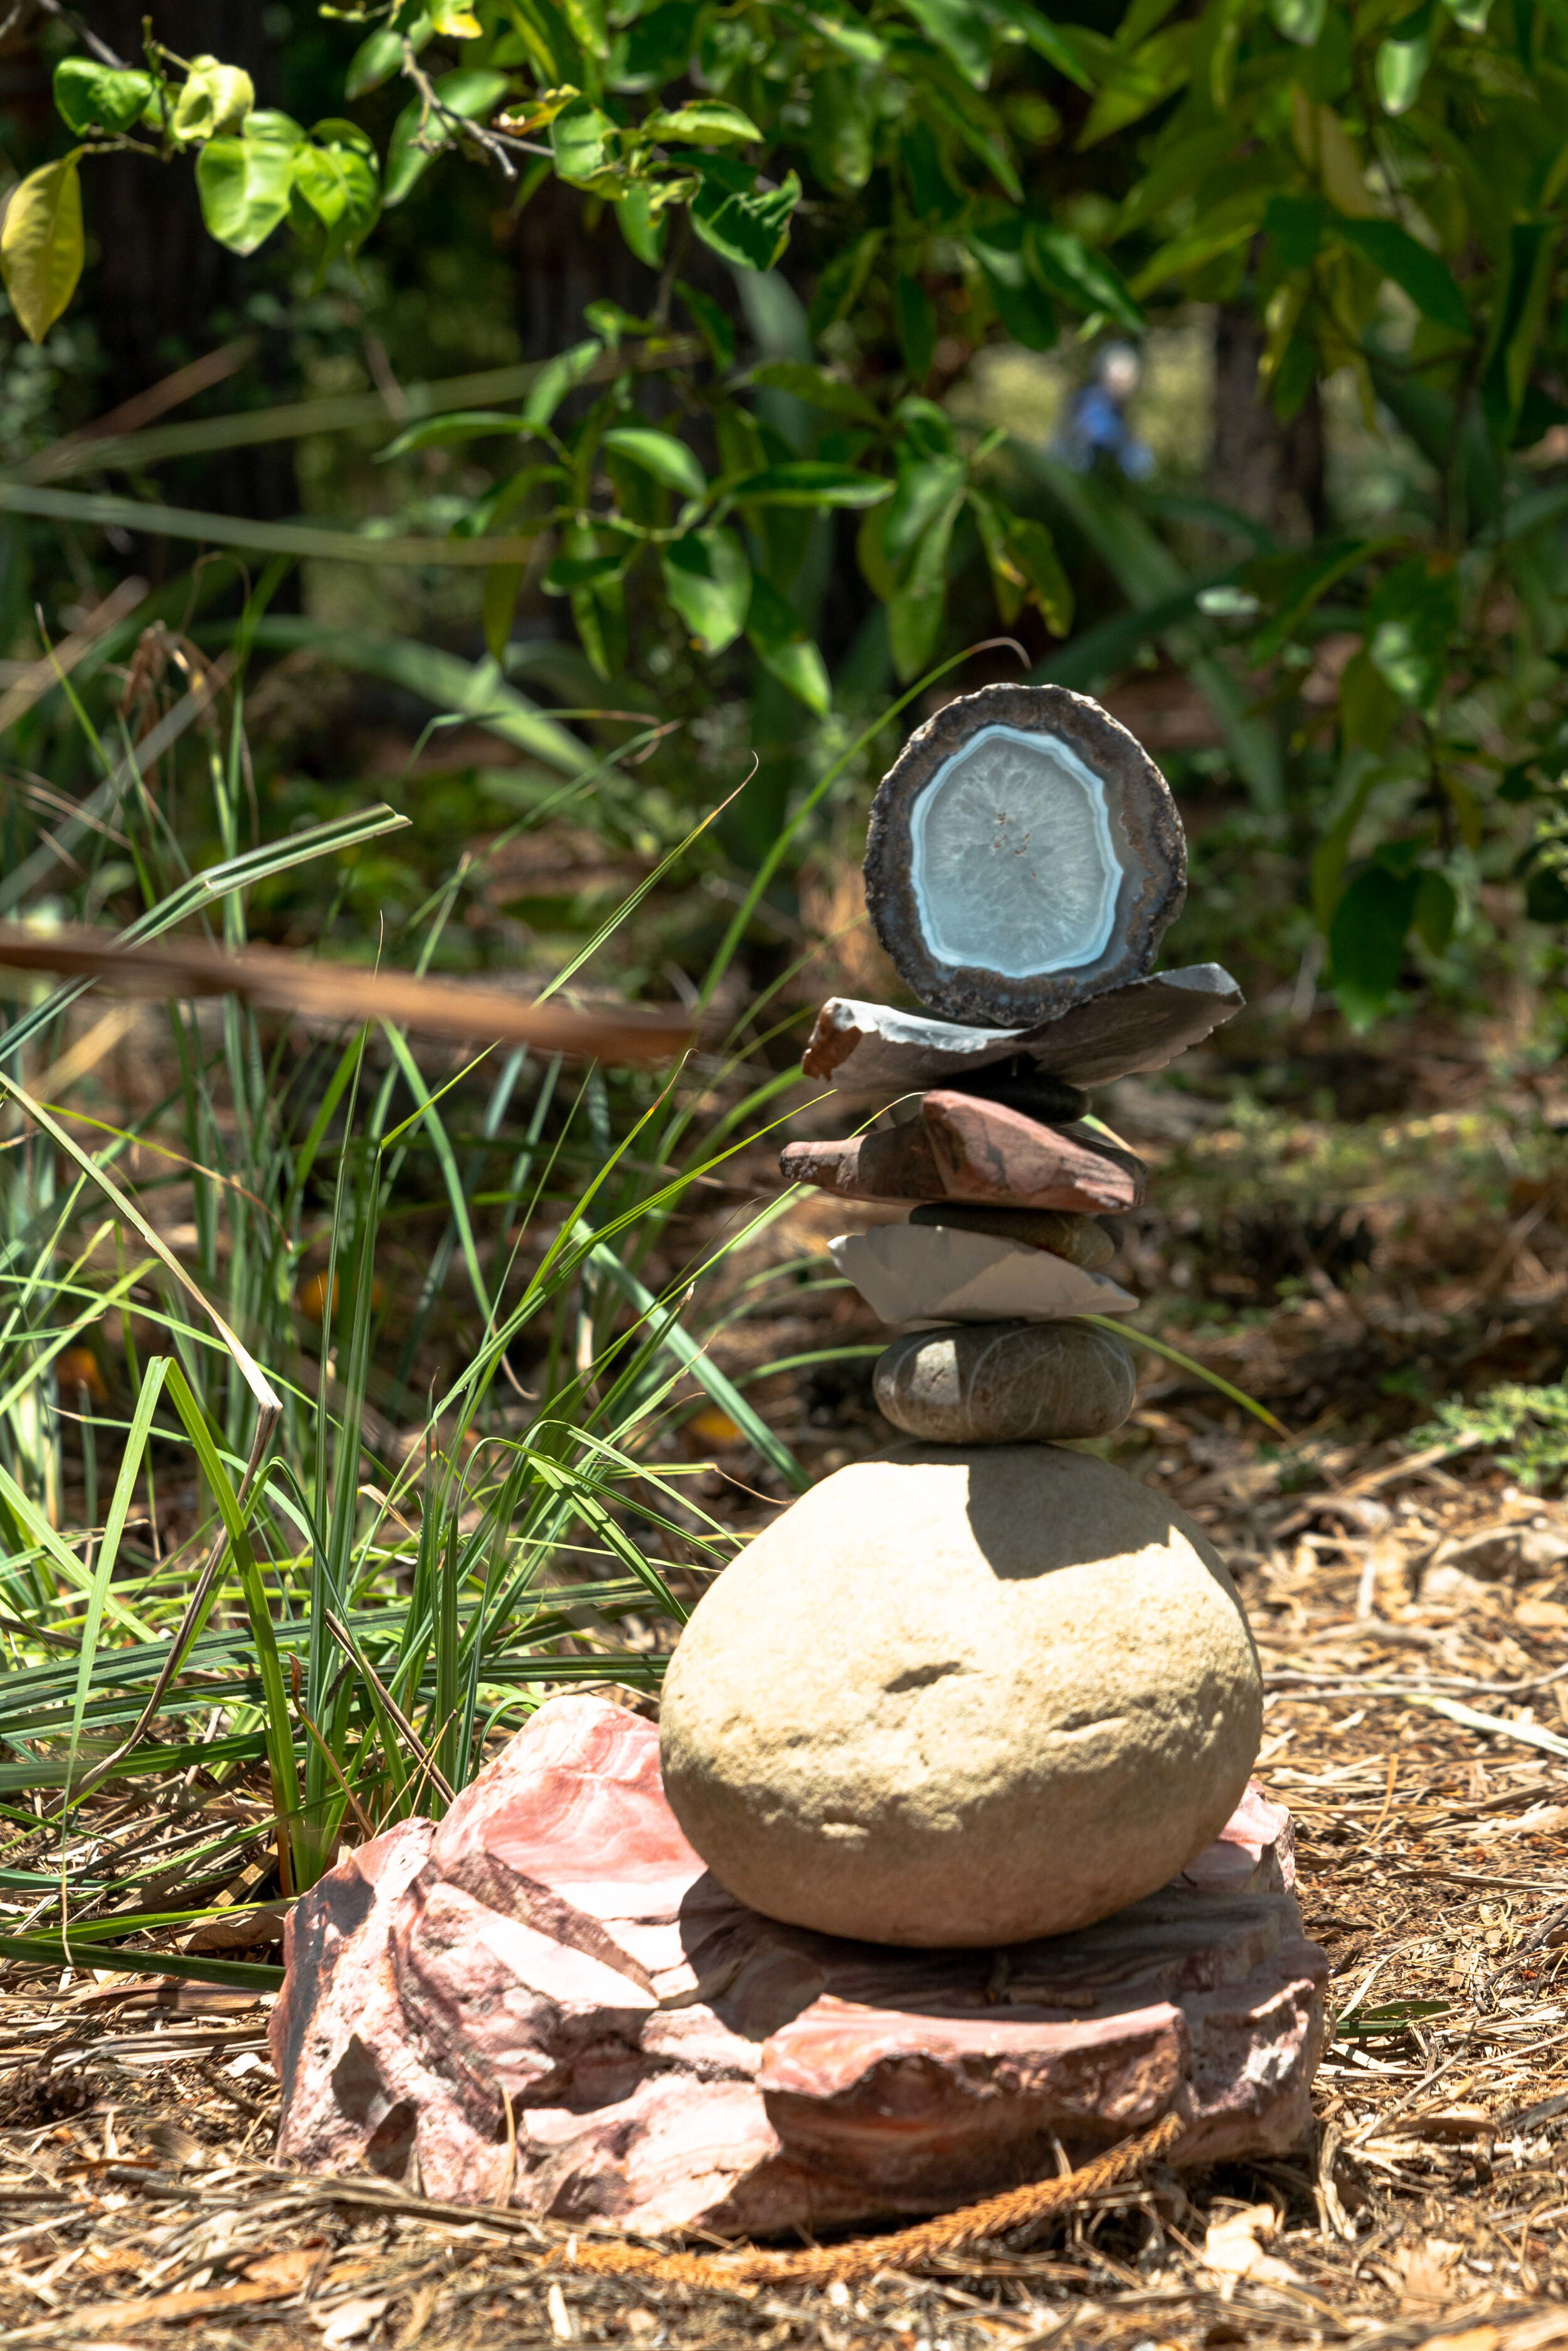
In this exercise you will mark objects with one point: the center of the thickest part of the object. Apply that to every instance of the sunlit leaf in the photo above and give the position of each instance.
(708, 580)
(784, 649)
(41, 246)
(215, 98)
(419, 135)
(744, 222)
(585, 141)
(1298, 20)
(702, 122)
(660, 454)
(92, 97)
(810, 482)
(962, 31)
(245, 183)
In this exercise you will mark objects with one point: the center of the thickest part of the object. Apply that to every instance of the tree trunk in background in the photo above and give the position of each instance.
(1270, 470)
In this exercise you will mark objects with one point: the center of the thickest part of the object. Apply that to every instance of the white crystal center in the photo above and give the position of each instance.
(1011, 858)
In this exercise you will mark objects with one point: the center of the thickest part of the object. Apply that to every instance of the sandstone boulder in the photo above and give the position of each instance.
(959, 1697)
(548, 2002)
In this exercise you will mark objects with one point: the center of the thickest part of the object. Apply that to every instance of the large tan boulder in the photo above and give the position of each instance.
(962, 1697)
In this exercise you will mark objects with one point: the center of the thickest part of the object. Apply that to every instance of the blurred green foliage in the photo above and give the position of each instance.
(762, 480)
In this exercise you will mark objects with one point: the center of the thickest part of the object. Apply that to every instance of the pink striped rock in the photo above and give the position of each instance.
(548, 2001)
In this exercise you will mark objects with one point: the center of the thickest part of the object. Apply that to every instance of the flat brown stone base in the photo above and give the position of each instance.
(547, 2000)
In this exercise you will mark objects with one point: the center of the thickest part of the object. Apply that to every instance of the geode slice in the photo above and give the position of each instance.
(1024, 854)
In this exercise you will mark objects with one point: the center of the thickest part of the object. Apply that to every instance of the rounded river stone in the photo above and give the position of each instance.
(1006, 1383)
(962, 1697)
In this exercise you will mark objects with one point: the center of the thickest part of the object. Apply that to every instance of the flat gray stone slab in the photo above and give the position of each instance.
(1024, 853)
(548, 2002)
(874, 1049)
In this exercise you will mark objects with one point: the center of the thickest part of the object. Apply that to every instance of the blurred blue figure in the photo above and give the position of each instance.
(1096, 423)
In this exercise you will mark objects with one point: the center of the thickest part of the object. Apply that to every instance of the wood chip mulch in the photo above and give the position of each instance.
(1414, 1635)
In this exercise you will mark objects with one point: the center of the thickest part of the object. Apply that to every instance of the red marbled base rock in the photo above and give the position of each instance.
(548, 2000)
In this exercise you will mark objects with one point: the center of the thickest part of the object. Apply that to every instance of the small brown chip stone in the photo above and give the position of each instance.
(958, 1147)
(1018, 1085)
(1006, 1383)
(1079, 1240)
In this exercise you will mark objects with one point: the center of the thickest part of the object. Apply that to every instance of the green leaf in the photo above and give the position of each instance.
(1296, 224)
(1008, 582)
(557, 378)
(417, 139)
(1366, 941)
(1423, 275)
(379, 57)
(1409, 620)
(714, 324)
(336, 186)
(600, 614)
(776, 637)
(824, 390)
(586, 142)
(589, 25)
(215, 98)
(1033, 549)
(1518, 312)
(1368, 706)
(708, 580)
(1025, 312)
(1066, 266)
(1050, 41)
(245, 183)
(458, 424)
(961, 31)
(1298, 20)
(916, 613)
(1436, 911)
(702, 122)
(810, 482)
(503, 584)
(642, 222)
(41, 245)
(90, 96)
(660, 454)
(925, 489)
(742, 222)
(842, 143)
(842, 281)
(1402, 60)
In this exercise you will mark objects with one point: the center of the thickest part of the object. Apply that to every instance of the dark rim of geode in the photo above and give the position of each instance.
(1144, 826)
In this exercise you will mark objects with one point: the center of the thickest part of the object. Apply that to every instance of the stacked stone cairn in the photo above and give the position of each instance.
(984, 1689)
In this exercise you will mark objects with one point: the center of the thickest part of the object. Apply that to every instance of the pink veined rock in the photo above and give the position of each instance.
(957, 1146)
(548, 2000)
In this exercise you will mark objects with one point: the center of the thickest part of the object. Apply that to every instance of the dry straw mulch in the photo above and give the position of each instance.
(138, 2204)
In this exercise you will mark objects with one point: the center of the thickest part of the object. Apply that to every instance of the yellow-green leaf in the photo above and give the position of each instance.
(41, 245)
(216, 98)
(455, 19)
